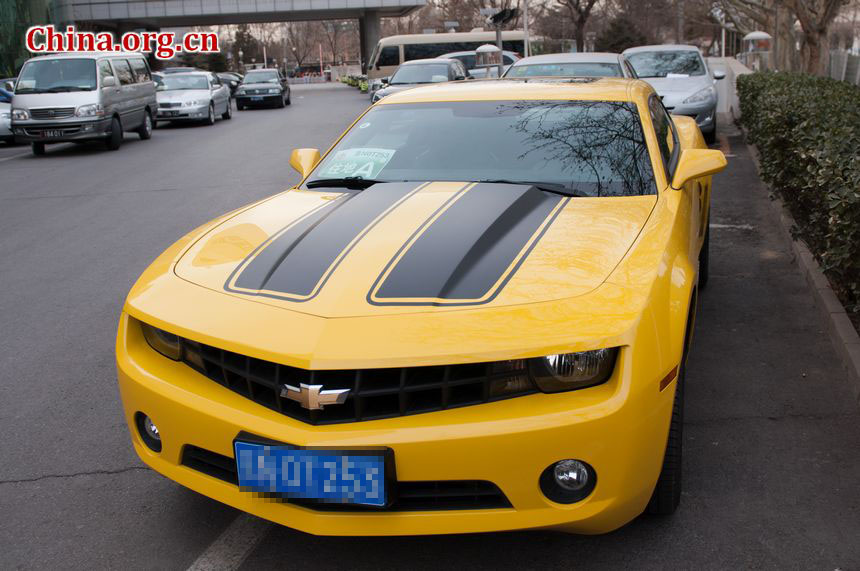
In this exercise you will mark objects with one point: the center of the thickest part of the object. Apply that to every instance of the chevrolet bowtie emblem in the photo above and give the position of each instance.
(312, 397)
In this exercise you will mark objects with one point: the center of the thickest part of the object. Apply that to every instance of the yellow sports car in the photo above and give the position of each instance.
(471, 315)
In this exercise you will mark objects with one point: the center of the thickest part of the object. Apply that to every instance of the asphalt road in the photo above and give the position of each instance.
(772, 454)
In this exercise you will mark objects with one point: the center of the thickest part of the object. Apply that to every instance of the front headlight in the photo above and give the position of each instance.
(194, 103)
(20, 114)
(5, 115)
(701, 95)
(274, 90)
(240, 91)
(569, 371)
(165, 343)
(93, 110)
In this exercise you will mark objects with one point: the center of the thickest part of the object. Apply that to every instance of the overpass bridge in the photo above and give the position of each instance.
(126, 15)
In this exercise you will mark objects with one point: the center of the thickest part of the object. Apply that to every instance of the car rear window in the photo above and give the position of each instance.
(593, 148)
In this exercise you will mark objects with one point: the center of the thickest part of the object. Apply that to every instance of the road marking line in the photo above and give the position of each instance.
(233, 546)
(733, 226)
(13, 157)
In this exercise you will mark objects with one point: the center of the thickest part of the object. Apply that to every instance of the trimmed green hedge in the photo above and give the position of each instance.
(807, 130)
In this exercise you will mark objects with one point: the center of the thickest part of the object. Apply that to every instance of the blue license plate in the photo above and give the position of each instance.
(356, 477)
(256, 99)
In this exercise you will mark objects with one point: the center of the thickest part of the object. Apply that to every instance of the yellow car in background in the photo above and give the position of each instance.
(471, 315)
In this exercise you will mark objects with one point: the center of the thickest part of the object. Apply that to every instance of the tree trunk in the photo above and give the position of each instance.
(812, 45)
(579, 30)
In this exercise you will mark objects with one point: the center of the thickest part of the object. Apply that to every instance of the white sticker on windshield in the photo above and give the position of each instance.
(364, 163)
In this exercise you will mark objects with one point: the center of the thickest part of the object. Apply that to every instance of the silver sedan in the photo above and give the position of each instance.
(196, 96)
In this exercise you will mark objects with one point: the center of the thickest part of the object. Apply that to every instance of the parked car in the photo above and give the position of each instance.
(263, 87)
(79, 97)
(472, 315)
(467, 58)
(374, 85)
(585, 64)
(232, 80)
(178, 69)
(682, 78)
(197, 96)
(421, 72)
(6, 135)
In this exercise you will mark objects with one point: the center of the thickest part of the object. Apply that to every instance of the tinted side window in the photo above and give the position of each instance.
(141, 70)
(123, 72)
(390, 55)
(104, 69)
(422, 51)
(664, 131)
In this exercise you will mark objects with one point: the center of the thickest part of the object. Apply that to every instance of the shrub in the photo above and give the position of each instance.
(807, 130)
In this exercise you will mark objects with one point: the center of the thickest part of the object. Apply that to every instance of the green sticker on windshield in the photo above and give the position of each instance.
(364, 163)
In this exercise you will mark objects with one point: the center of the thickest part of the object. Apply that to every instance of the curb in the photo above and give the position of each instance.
(844, 337)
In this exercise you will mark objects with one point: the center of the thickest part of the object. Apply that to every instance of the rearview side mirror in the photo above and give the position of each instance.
(109, 81)
(304, 160)
(384, 81)
(696, 163)
(719, 74)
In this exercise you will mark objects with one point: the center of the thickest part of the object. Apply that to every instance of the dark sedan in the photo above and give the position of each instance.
(263, 87)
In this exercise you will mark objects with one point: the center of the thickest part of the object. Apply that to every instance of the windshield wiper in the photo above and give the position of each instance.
(351, 182)
(545, 186)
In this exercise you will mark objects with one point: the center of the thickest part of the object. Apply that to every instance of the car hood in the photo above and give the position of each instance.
(182, 95)
(410, 247)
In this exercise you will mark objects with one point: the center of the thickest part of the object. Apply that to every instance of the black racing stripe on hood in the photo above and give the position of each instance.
(461, 257)
(295, 264)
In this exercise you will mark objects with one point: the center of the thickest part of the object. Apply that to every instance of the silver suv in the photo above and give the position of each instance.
(81, 97)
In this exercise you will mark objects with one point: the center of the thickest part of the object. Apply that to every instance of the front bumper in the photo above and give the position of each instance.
(267, 99)
(703, 113)
(198, 113)
(61, 131)
(620, 428)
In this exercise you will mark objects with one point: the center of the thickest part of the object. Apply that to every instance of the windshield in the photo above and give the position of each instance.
(57, 75)
(594, 148)
(179, 82)
(661, 64)
(261, 77)
(420, 73)
(572, 69)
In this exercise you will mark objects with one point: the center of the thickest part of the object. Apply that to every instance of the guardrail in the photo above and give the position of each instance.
(845, 66)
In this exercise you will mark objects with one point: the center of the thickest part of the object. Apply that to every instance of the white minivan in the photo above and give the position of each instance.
(80, 97)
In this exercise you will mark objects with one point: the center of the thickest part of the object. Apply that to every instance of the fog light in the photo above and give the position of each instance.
(148, 431)
(568, 481)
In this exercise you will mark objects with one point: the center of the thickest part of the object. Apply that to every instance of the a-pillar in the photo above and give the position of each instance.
(368, 32)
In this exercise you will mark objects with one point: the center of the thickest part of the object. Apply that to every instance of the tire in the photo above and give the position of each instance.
(289, 96)
(228, 114)
(145, 129)
(705, 257)
(711, 136)
(210, 120)
(281, 102)
(667, 492)
(38, 149)
(114, 140)
(240, 106)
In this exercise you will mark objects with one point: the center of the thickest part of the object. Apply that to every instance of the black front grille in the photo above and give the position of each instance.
(374, 393)
(52, 113)
(170, 104)
(409, 496)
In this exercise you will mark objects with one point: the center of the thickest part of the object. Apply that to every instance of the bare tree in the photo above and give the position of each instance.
(579, 10)
(815, 17)
(302, 38)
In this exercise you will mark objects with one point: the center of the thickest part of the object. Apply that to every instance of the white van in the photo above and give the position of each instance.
(80, 97)
(394, 50)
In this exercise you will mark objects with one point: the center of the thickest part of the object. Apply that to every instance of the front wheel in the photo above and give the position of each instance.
(288, 101)
(711, 136)
(210, 119)
(114, 139)
(667, 492)
(228, 114)
(39, 149)
(145, 129)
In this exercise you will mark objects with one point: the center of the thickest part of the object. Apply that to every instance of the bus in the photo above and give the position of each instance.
(394, 50)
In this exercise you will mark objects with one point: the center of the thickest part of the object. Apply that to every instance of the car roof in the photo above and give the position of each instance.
(87, 55)
(427, 61)
(263, 69)
(469, 52)
(661, 48)
(590, 57)
(531, 88)
(195, 72)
